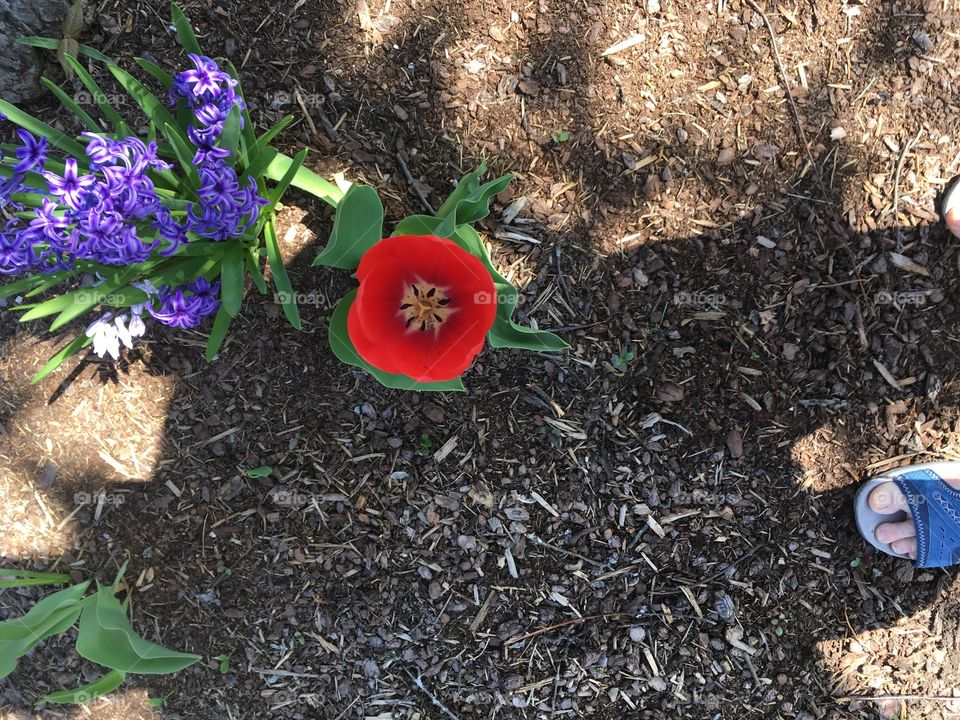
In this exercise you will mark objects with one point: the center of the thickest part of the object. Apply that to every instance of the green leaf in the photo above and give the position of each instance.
(118, 298)
(99, 97)
(71, 105)
(73, 304)
(505, 333)
(258, 472)
(357, 226)
(423, 225)
(471, 200)
(230, 136)
(11, 578)
(54, 614)
(107, 638)
(252, 260)
(248, 137)
(184, 269)
(185, 31)
(181, 148)
(232, 278)
(72, 348)
(56, 138)
(224, 663)
(156, 72)
(221, 324)
(261, 161)
(20, 286)
(264, 140)
(99, 687)
(53, 43)
(155, 110)
(281, 280)
(343, 348)
(305, 180)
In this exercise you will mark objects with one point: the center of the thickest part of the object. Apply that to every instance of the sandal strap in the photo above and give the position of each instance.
(935, 507)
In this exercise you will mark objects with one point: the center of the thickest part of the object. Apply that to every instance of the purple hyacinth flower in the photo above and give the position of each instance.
(32, 154)
(16, 255)
(177, 310)
(72, 187)
(208, 294)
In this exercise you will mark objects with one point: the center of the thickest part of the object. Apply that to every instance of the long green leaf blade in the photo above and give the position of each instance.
(232, 278)
(54, 614)
(53, 43)
(30, 123)
(71, 349)
(91, 691)
(71, 105)
(221, 325)
(11, 578)
(185, 31)
(305, 180)
(280, 277)
(99, 97)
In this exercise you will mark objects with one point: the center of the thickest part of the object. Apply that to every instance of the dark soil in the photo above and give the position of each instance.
(579, 535)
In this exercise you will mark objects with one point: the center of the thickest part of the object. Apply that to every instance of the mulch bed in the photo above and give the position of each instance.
(761, 307)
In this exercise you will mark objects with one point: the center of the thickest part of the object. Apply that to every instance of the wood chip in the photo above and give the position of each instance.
(624, 45)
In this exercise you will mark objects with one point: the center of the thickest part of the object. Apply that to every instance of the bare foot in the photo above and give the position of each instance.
(887, 499)
(952, 216)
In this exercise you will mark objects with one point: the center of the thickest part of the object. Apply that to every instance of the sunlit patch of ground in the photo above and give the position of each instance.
(120, 705)
(56, 456)
(923, 667)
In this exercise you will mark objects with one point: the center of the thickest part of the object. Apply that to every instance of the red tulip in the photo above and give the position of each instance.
(423, 308)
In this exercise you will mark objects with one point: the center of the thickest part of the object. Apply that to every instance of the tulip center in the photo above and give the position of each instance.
(425, 306)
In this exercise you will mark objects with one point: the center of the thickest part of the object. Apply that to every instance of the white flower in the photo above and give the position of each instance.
(105, 338)
(136, 326)
(122, 333)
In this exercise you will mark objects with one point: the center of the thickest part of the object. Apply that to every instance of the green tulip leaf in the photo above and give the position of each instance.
(505, 333)
(99, 687)
(343, 348)
(357, 227)
(470, 201)
(107, 638)
(12, 577)
(54, 614)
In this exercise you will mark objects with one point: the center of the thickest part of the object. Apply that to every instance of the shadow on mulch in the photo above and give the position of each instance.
(672, 535)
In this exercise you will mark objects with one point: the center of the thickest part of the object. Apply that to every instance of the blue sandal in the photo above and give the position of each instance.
(934, 506)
